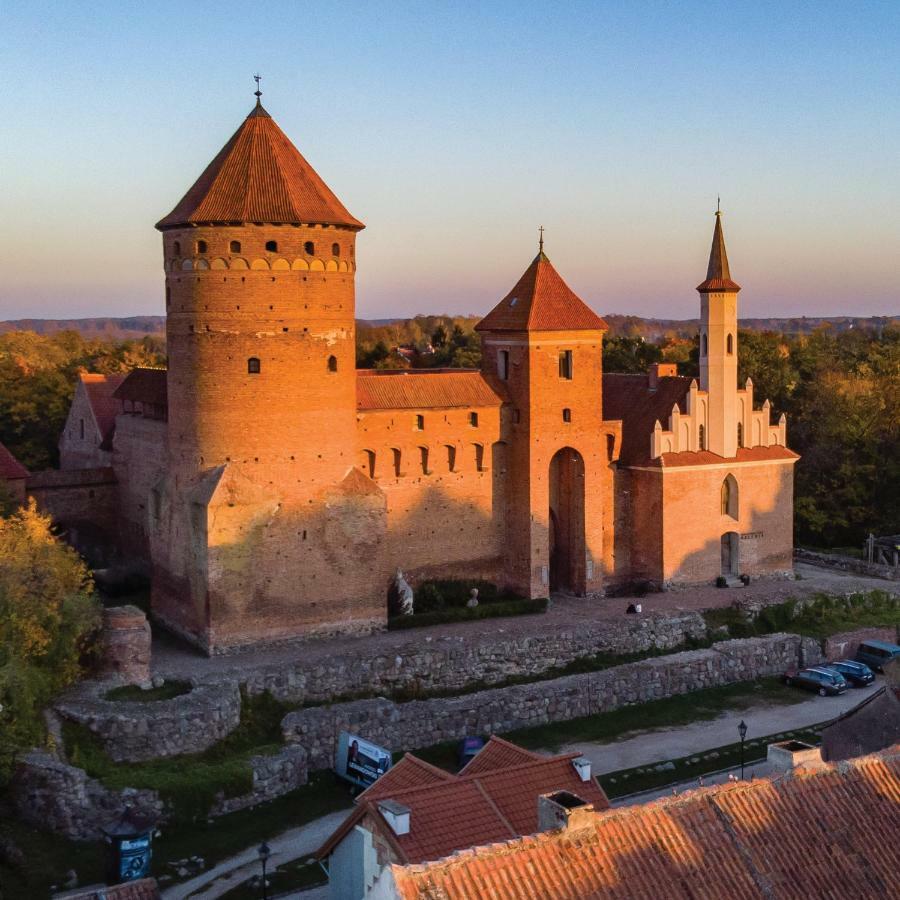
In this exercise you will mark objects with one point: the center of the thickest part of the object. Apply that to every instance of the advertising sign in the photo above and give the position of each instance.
(359, 761)
(134, 857)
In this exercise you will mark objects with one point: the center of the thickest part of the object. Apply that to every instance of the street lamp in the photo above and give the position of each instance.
(264, 852)
(742, 731)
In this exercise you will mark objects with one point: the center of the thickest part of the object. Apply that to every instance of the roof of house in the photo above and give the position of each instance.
(497, 753)
(259, 176)
(825, 831)
(629, 398)
(100, 391)
(451, 812)
(143, 889)
(423, 389)
(718, 275)
(541, 301)
(870, 726)
(144, 385)
(10, 468)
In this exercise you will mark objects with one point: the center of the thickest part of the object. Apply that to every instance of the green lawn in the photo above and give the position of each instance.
(670, 712)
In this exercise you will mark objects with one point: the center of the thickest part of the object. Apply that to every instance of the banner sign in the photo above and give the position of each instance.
(359, 761)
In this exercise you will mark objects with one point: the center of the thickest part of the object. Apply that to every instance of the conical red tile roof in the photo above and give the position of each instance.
(259, 176)
(718, 276)
(541, 301)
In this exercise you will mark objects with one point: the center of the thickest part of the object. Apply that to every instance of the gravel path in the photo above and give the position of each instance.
(175, 659)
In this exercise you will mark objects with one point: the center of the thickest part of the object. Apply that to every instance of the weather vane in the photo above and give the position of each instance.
(718, 205)
(258, 93)
(541, 239)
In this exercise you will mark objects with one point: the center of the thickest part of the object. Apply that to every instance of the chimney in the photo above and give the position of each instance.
(396, 815)
(582, 767)
(562, 809)
(787, 756)
(661, 370)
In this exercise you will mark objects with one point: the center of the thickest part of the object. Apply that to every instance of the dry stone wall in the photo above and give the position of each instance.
(132, 731)
(450, 664)
(422, 723)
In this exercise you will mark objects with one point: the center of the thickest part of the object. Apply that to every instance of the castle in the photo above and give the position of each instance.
(276, 490)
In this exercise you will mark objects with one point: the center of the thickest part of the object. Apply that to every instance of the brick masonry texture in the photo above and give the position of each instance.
(132, 731)
(55, 796)
(126, 645)
(845, 644)
(450, 664)
(417, 724)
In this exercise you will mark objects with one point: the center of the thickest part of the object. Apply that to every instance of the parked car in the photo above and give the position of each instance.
(823, 681)
(468, 749)
(855, 673)
(877, 654)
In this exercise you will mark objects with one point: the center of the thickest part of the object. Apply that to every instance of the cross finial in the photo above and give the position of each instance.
(258, 93)
(541, 239)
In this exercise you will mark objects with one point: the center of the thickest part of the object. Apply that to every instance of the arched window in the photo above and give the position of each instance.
(704, 346)
(271, 246)
(740, 434)
(451, 457)
(729, 505)
(729, 344)
(701, 438)
(309, 248)
(369, 463)
(335, 249)
(201, 246)
(332, 364)
(479, 457)
(253, 365)
(397, 460)
(177, 247)
(423, 458)
(473, 419)
(234, 247)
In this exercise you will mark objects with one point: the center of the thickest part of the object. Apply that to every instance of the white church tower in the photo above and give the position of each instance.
(718, 348)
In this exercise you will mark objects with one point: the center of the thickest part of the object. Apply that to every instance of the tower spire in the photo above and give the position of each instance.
(257, 93)
(718, 274)
(541, 240)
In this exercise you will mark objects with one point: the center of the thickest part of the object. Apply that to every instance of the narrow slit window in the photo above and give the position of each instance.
(567, 415)
(420, 423)
(503, 365)
(423, 457)
(332, 364)
(701, 437)
(398, 458)
(473, 419)
(565, 364)
(479, 457)
(451, 457)
(729, 345)
(335, 249)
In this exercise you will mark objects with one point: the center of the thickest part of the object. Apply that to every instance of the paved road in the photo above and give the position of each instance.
(290, 845)
(643, 748)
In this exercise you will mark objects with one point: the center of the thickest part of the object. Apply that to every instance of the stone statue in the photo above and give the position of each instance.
(404, 594)
(473, 598)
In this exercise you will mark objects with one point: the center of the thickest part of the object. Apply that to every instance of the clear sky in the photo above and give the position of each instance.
(453, 130)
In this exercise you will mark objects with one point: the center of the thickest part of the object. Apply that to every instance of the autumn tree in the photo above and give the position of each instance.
(49, 617)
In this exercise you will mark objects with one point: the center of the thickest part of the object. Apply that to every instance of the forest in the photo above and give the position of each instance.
(840, 389)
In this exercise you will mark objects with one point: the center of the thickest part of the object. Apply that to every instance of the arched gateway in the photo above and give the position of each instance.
(567, 545)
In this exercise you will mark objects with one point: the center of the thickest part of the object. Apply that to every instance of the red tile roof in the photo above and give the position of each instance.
(706, 457)
(259, 176)
(629, 398)
(100, 390)
(423, 389)
(410, 772)
(823, 832)
(541, 301)
(718, 275)
(144, 386)
(497, 754)
(10, 468)
(458, 811)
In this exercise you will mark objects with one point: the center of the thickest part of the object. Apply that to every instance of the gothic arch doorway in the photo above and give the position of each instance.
(731, 546)
(567, 549)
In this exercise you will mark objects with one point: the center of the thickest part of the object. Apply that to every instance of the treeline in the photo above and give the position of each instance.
(839, 389)
(37, 381)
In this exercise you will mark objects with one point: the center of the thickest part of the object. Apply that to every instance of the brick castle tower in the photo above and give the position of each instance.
(259, 259)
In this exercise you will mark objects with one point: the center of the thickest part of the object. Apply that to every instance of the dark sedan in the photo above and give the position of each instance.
(819, 679)
(856, 673)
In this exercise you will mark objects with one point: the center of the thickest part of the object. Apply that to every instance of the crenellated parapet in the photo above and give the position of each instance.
(687, 430)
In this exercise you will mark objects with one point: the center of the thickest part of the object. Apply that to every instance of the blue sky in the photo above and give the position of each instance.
(454, 130)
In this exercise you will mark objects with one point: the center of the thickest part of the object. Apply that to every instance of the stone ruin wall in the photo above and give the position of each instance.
(423, 723)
